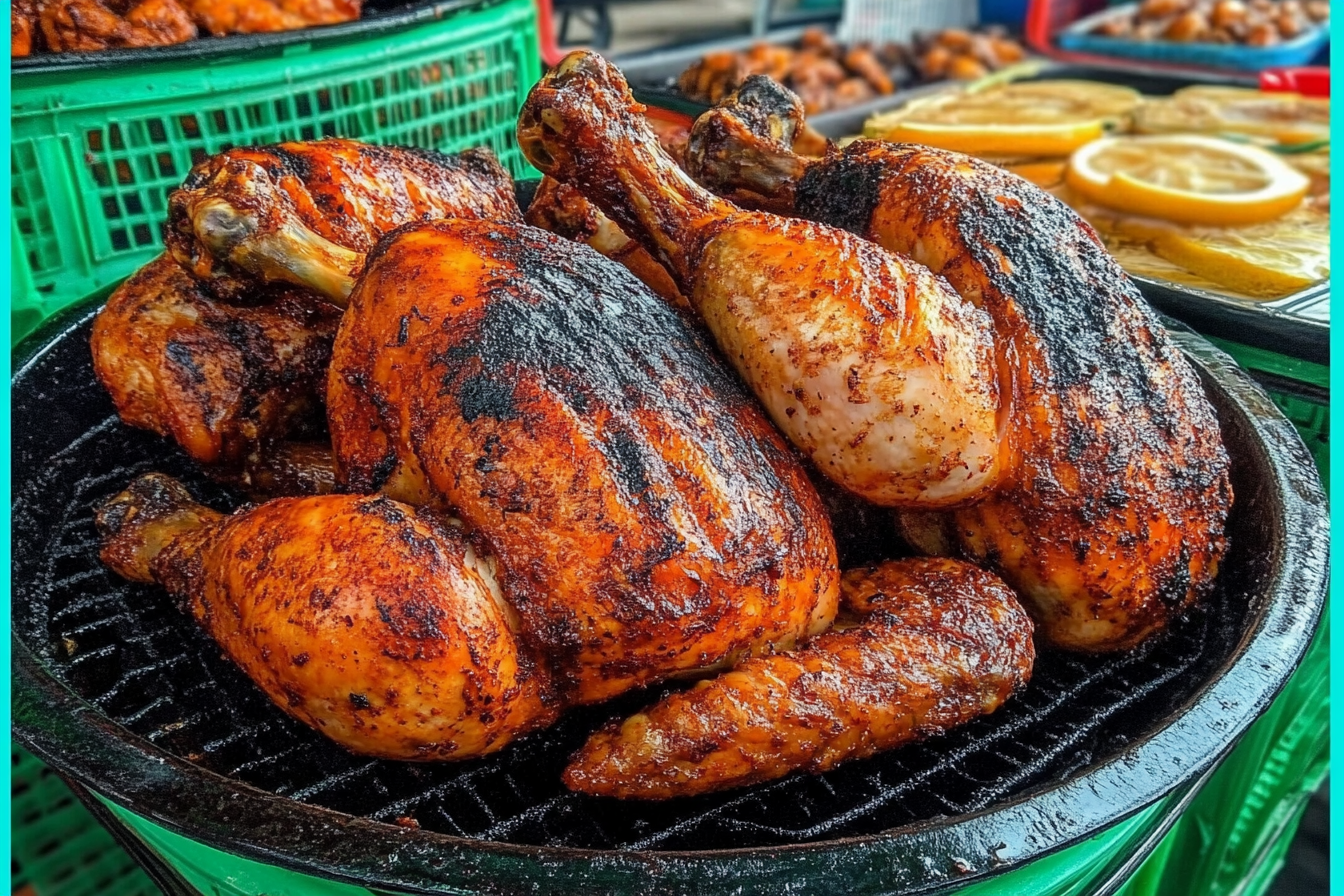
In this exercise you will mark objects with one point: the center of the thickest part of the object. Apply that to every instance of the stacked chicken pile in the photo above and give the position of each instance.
(64, 26)
(541, 484)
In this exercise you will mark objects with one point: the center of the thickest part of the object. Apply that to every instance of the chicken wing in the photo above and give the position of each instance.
(872, 366)
(380, 625)
(305, 213)
(1112, 518)
(647, 518)
(220, 379)
(940, 643)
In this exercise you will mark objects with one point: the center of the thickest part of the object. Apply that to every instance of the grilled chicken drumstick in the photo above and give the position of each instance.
(939, 643)
(380, 625)
(305, 213)
(1112, 519)
(648, 520)
(873, 367)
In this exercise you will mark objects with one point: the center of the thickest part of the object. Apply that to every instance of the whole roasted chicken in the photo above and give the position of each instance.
(1111, 518)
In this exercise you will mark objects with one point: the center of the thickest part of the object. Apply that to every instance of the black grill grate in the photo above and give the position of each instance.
(130, 652)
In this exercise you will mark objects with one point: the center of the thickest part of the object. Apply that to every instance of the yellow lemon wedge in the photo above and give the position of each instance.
(1036, 118)
(1187, 178)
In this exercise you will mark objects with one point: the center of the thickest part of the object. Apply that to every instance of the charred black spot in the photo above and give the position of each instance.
(183, 358)
(482, 395)
(842, 193)
(359, 701)
(301, 660)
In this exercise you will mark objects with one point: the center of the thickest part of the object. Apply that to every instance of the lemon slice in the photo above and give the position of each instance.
(1286, 118)
(1187, 178)
(1037, 118)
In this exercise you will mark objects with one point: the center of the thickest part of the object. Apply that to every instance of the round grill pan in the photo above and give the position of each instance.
(117, 689)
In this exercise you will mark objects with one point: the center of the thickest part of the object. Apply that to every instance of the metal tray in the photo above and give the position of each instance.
(118, 690)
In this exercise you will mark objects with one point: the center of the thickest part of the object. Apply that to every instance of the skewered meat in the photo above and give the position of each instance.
(398, 644)
(1113, 518)
(647, 518)
(305, 213)
(940, 643)
(220, 379)
(562, 210)
(84, 25)
(876, 369)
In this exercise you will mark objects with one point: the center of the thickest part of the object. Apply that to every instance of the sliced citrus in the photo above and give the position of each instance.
(1286, 118)
(1036, 118)
(1187, 178)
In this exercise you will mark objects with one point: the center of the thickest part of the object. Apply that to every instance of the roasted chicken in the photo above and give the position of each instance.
(222, 380)
(647, 519)
(228, 378)
(380, 625)
(939, 643)
(88, 25)
(85, 25)
(873, 367)
(305, 213)
(1111, 518)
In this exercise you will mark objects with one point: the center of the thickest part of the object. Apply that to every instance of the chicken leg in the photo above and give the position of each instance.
(380, 625)
(872, 366)
(1112, 519)
(305, 213)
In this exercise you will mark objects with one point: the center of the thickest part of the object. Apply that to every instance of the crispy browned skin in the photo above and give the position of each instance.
(1112, 519)
(941, 643)
(217, 378)
(875, 369)
(648, 519)
(376, 623)
(562, 210)
(25, 35)
(249, 16)
(306, 213)
(85, 25)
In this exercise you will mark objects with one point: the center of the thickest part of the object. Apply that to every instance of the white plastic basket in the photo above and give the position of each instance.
(881, 21)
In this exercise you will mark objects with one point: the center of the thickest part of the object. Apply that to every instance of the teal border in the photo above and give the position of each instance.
(4, 526)
(1336, 528)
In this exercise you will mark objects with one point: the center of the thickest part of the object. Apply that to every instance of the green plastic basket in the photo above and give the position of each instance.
(94, 156)
(57, 848)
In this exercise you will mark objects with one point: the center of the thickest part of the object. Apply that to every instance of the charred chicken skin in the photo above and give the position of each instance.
(398, 643)
(562, 210)
(647, 519)
(1111, 519)
(937, 643)
(876, 369)
(306, 213)
(219, 379)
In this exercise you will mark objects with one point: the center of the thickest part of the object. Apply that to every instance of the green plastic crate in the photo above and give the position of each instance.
(57, 848)
(94, 158)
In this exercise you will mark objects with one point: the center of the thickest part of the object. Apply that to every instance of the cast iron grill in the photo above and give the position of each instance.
(128, 651)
